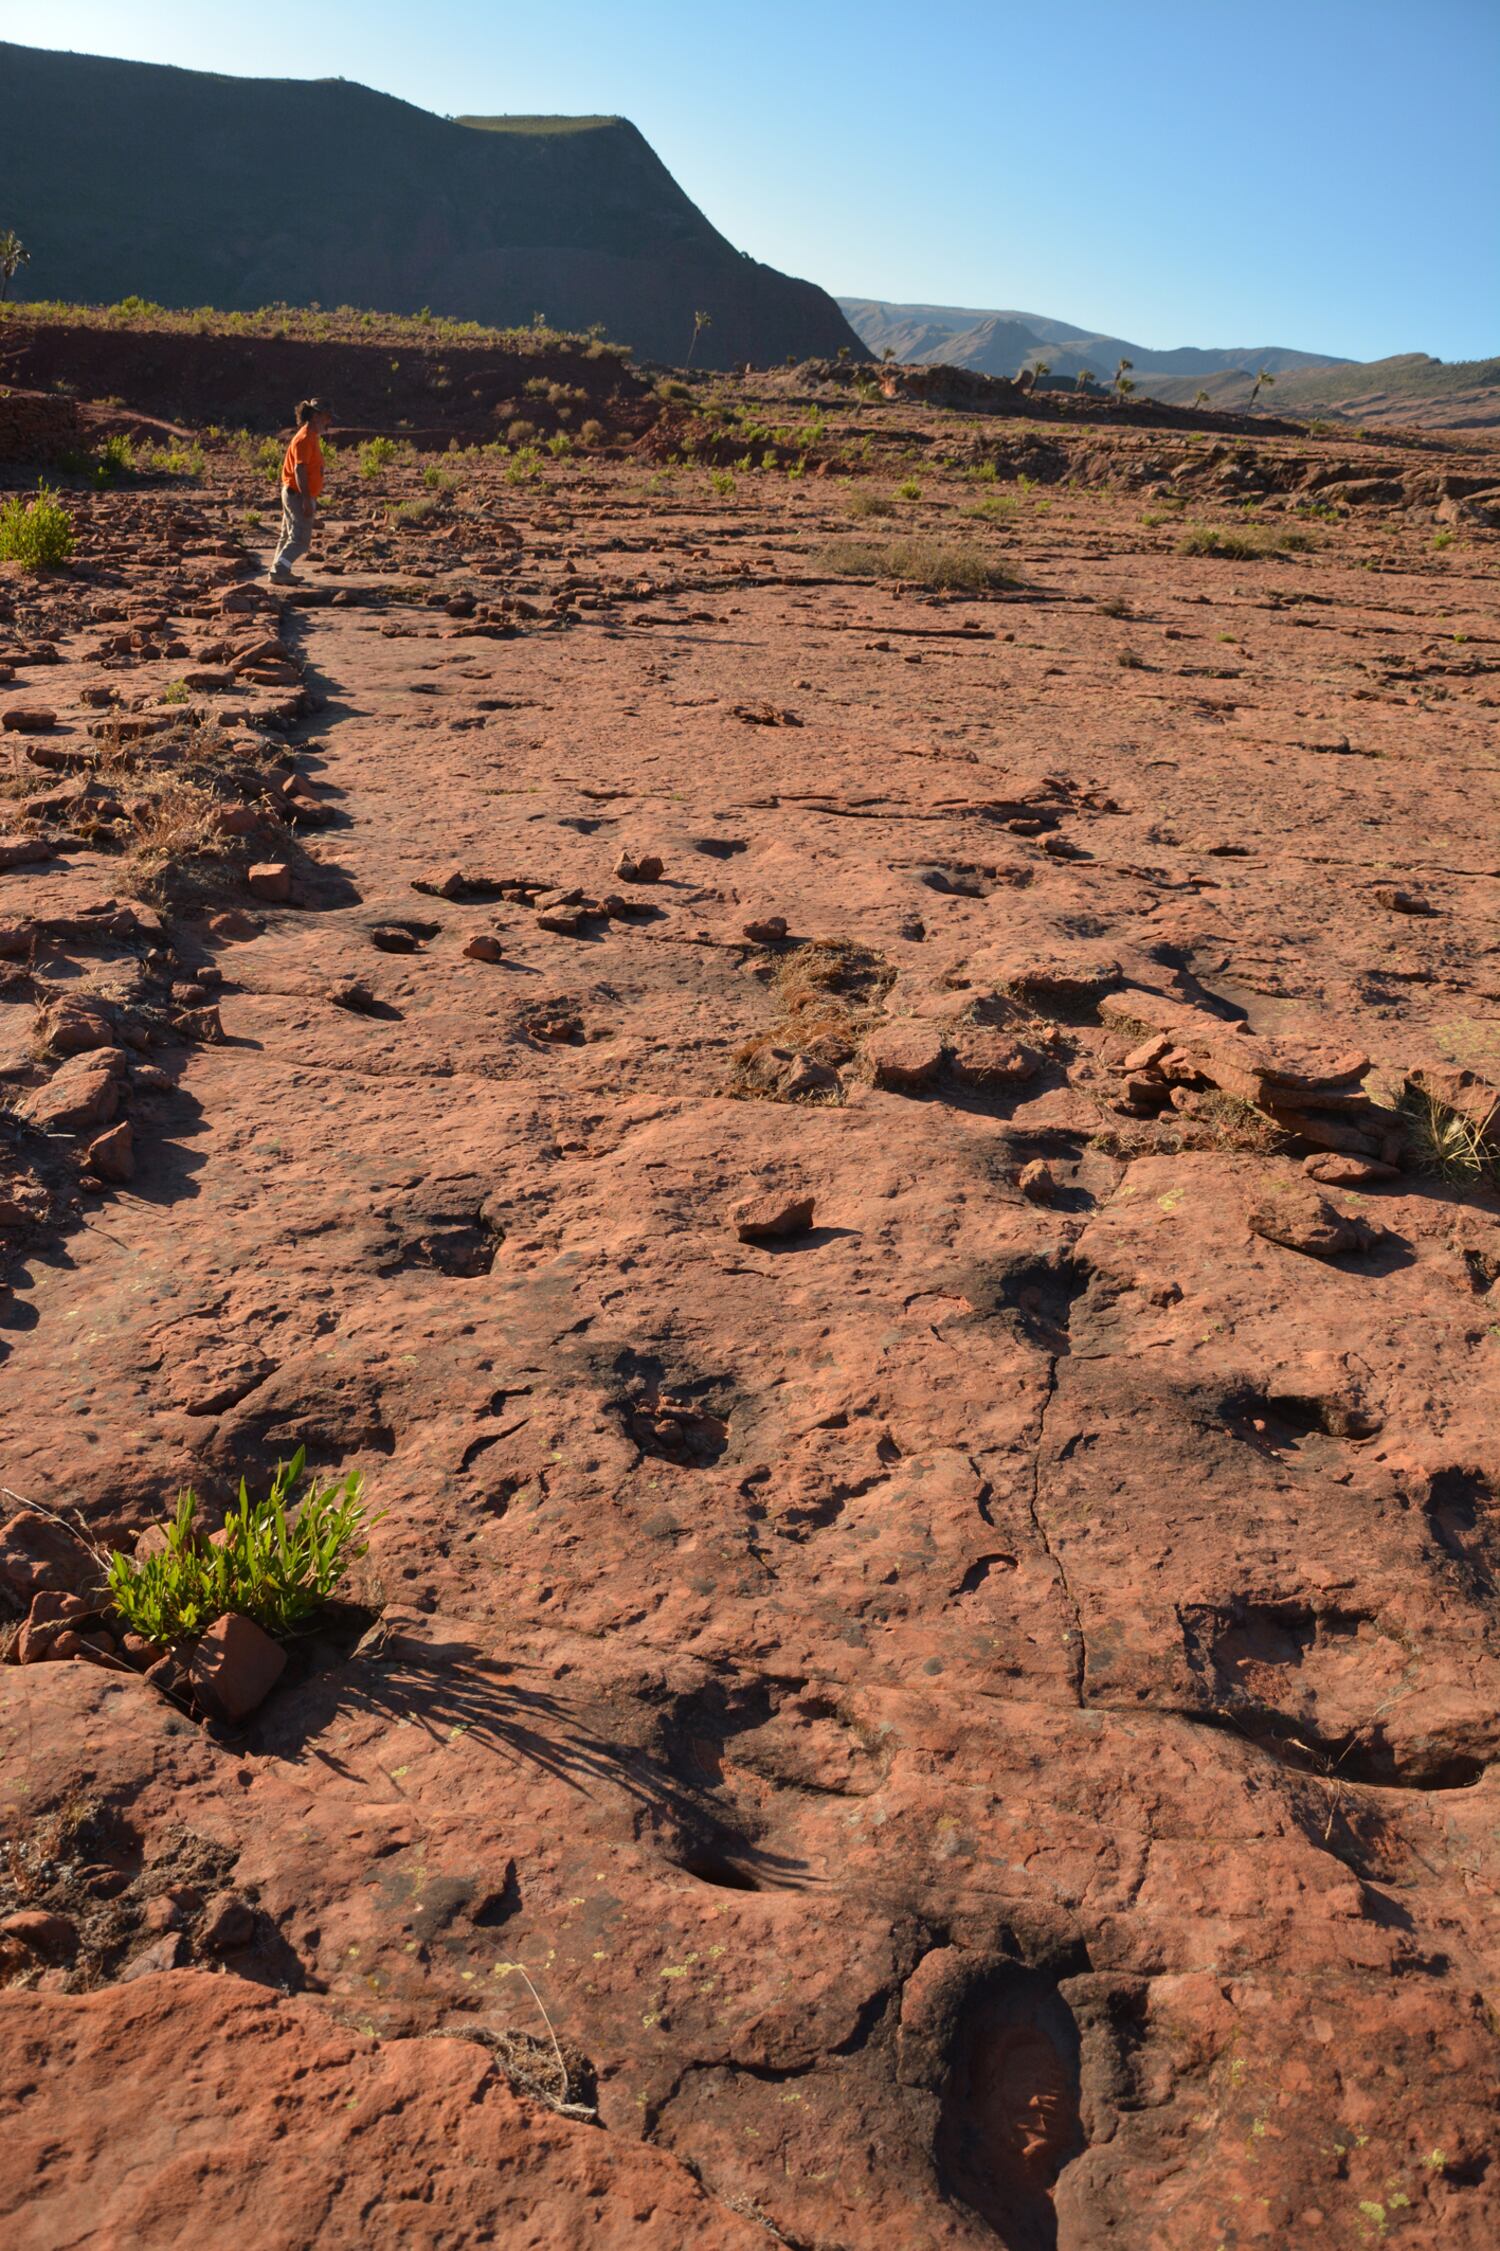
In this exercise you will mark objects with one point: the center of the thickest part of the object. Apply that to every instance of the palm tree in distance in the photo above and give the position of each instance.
(1123, 384)
(13, 256)
(1263, 382)
(700, 322)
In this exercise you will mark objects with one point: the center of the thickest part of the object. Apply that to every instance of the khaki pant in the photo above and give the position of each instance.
(296, 529)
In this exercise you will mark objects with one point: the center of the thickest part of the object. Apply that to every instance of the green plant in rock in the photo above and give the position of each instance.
(270, 1565)
(376, 454)
(173, 461)
(36, 532)
(909, 489)
(114, 460)
(995, 510)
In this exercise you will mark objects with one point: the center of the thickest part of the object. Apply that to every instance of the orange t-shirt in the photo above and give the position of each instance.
(304, 452)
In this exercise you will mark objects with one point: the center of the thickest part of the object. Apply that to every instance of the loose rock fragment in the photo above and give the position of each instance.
(53, 1937)
(271, 880)
(905, 1057)
(234, 1668)
(1336, 1171)
(772, 1215)
(989, 1060)
(639, 867)
(112, 1156)
(228, 1923)
(1296, 1216)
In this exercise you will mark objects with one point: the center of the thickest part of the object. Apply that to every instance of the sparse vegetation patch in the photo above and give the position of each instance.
(919, 562)
(269, 1564)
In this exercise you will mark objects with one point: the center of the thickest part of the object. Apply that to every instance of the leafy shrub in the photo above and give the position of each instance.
(909, 490)
(871, 504)
(414, 513)
(921, 562)
(176, 691)
(269, 1567)
(591, 433)
(525, 466)
(36, 532)
(173, 461)
(438, 480)
(521, 432)
(377, 454)
(114, 460)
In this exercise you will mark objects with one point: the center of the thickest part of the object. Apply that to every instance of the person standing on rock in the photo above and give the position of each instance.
(301, 483)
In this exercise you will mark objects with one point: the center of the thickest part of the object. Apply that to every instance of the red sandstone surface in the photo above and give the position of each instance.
(928, 1673)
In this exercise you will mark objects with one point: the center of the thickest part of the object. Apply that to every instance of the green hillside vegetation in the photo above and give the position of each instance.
(538, 125)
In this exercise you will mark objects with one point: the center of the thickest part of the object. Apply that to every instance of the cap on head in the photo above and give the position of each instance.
(309, 407)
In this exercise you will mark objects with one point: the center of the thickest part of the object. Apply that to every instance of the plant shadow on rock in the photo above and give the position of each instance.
(1010, 2117)
(454, 1688)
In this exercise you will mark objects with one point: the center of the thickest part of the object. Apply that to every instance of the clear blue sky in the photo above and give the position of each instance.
(1183, 171)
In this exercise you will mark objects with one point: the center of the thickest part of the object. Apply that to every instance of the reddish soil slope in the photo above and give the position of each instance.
(976, 1713)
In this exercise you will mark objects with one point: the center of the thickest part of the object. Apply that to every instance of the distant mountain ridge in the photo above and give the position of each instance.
(191, 188)
(1002, 343)
(1407, 388)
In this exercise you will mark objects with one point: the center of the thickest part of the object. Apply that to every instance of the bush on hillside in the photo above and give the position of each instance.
(36, 532)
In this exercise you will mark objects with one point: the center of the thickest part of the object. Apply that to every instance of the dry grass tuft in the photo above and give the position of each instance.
(174, 787)
(827, 995)
(918, 562)
(1449, 1144)
(1238, 545)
